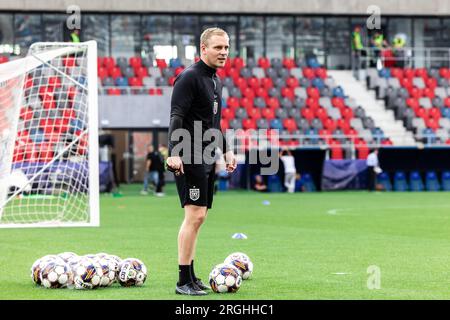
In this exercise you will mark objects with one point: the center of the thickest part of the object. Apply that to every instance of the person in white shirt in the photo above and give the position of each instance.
(373, 167)
(290, 172)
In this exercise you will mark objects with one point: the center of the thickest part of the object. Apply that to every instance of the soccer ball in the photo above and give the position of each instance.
(132, 272)
(242, 262)
(225, 278)
(101, 255)
(39, 264)
(115, 260)
(108, 266)
(67, 256)
(88, 274)
(55, 274)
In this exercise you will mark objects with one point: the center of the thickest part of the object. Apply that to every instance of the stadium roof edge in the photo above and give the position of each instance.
(388, 7)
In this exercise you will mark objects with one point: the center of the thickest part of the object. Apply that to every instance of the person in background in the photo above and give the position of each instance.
(357, 49)
(378, 43)
(153, 165)
(398, 45)
(290, 171)
(75, 36)
(259, 184)
(373, 168)
(164, 153)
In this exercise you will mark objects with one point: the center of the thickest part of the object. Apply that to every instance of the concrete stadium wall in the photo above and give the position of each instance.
(348, 7)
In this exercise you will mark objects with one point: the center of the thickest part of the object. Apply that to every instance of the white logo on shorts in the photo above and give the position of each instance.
(194, 194)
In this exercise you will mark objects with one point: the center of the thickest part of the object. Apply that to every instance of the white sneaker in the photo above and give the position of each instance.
(159, 194)
(144, 193)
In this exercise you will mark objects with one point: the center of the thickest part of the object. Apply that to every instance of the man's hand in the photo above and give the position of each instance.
(230, 161)
(175, 165)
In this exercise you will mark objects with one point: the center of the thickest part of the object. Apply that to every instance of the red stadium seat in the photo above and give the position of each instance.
(234, 73)
(266, 83)
(172, 81)
(347, 113)
(321, 113)
(69, 62)
(135, 62)
(102, 72)
(237, 63)
(428, 92)
(114, 92)
(69, 114)
(3, 59)
(109, 62)
(115, 72)
(312, 103)
(54, 82)
(336, 150)
(413, 103)
(272, 103)
(233, 102)
(421, 112)
(444, 73)
(224, 125)
(135, 82)
(338, 102)
(287, 93)
(261, 92)
(431, 83)
(313, 92)
(415, 92)
(409, 73)
(26, 113)
(264, 62)
(421, 72)
(221, 73)
(228, 114)
(289, 124)
(321, 73)
(254, 113)
(248, 124)
(434, 113)
(292, 82)
(330, 124)
(248, 93)
(100, 62)
(307, 113)
(161, 63)
(288, 63)
(432, 123)
(253, 82)
(141, 72)
(309, 73)
(343, 124)
(267, 113)
(406, 82)
(246, 102)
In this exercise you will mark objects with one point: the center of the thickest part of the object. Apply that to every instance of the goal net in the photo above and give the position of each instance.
(48, 137)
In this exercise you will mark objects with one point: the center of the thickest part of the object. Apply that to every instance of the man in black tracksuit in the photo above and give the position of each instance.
(195, 117)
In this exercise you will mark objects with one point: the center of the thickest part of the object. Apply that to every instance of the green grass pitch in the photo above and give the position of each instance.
(303, 246)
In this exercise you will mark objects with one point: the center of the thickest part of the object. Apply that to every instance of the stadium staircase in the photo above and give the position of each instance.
(374, 108)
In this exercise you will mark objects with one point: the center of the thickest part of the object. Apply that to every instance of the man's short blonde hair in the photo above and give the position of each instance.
(208, 33)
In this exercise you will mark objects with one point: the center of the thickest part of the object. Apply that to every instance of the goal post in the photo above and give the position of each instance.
(49, 137)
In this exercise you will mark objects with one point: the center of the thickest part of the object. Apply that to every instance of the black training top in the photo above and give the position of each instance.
(196, 96)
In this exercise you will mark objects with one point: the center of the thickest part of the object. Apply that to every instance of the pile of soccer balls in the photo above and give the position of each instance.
(69, 270)
(228, 276)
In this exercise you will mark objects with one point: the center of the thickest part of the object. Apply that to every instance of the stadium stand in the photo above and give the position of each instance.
(419, 97)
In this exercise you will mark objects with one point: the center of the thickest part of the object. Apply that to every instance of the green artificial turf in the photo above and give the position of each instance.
(303, 245)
